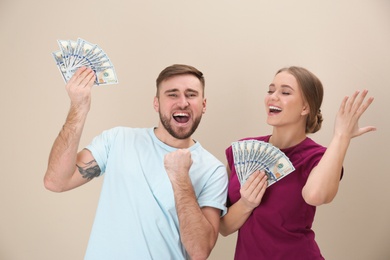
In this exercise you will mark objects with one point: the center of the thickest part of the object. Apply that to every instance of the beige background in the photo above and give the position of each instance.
(239, 45)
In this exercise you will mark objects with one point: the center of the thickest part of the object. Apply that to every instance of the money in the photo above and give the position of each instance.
(81, 53)
(252, 155)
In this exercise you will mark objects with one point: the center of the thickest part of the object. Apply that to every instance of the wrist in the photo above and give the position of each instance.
(245, 206)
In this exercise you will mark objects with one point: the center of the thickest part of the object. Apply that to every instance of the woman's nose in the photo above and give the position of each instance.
(273, 96)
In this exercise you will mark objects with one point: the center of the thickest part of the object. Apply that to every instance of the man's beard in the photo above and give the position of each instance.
(179, 134)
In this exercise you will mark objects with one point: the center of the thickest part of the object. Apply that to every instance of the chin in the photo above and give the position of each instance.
(180, 133)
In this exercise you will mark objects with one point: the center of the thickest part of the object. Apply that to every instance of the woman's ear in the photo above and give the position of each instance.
(305, 110)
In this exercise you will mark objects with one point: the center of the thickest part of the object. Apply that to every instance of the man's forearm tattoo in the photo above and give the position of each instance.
(90, 170)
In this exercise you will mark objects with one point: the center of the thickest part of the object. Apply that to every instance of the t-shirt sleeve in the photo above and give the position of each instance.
(229, 157)
(313, 157)
(214, 193)
(100, 147)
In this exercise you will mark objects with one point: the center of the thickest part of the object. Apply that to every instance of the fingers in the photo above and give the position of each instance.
(260, 189)
(366, 129)
(79, 88)
(180, 156)
(363, 107)
(342, 106)
(359, 100)
(178, 161)
(355, 103)
(256, 183)
(253, 190)
(350, 101)
(83, 77)
(351, 109)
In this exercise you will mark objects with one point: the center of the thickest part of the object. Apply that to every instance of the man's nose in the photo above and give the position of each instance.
(183, 102)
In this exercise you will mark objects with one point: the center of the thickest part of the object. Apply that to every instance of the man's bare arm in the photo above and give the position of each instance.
(62, 173)
(198, 227)
(89, 170)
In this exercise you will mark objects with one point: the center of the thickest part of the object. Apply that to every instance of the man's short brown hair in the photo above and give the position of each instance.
(179, 69)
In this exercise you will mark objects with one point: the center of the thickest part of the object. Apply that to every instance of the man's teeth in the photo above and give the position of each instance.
(180, 114)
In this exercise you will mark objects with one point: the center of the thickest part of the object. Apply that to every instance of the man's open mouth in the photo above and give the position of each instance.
(181, 117)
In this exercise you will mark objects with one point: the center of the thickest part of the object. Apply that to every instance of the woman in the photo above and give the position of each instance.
(275, 222)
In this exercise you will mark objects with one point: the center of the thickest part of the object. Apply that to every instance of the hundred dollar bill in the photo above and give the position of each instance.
(106, 76)
(75, 54)
(281, 168)
(252, 155)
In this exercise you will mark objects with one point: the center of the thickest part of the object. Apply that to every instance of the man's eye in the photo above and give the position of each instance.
(270, 91)
(286, 93)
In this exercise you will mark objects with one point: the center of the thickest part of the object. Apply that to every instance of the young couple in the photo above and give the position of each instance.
(165, 197)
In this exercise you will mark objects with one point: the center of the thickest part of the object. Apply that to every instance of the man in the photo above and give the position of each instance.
(163, 193)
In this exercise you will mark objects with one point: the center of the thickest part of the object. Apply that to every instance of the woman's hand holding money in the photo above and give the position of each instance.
(253, 189)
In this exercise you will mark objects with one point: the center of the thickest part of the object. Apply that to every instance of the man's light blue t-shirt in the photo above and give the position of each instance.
(136, 217)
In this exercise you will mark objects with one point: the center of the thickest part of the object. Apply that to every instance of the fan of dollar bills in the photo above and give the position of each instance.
(252, 155)
(75, 54)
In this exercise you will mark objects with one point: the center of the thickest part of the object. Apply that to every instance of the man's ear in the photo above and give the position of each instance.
(204, 106)
(156, 104)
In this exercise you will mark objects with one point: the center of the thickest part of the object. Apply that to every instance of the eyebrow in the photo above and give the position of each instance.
(171, 90)
(177, 90)
(282, 86)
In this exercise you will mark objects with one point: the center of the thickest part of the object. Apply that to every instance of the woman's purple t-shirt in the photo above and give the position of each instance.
(280, 227)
